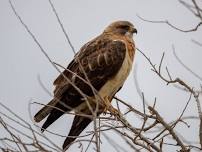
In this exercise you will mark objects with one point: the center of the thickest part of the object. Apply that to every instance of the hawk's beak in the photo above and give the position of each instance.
(133, 30)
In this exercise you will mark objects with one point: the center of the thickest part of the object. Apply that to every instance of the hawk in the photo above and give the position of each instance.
(95, 75)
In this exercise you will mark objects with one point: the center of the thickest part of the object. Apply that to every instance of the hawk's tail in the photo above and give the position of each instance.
(78, 125)
(54, 115)
(45, 110)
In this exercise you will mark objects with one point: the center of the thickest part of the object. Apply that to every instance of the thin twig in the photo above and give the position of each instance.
(171, 25)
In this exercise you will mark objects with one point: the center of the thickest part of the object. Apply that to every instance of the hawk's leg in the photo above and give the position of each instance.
(109, 107)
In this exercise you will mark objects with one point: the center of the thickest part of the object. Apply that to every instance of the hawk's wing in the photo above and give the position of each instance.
(101, 59)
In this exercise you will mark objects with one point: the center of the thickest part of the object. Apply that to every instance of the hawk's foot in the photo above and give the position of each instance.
(109, 107)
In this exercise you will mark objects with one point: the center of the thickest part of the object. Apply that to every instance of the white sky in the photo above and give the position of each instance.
(21, 60)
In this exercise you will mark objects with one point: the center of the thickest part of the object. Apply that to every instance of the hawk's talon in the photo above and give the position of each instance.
(110, 108)
(113, 111)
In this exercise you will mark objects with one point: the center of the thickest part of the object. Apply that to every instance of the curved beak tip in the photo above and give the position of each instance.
(134, 30)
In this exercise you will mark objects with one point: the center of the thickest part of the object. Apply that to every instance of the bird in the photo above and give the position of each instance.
(91, 80)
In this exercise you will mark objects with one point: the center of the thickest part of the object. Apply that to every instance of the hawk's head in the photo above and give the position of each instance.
(121, 28)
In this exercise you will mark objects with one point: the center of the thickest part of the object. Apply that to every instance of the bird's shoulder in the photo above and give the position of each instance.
(101, 43)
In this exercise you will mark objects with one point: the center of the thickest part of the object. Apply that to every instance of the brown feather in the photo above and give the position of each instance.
(45, 110)
(94, 58)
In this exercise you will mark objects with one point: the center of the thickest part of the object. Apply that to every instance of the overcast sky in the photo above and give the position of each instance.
(21, 61)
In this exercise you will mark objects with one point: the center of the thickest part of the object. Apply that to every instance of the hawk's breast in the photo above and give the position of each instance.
(112, 85)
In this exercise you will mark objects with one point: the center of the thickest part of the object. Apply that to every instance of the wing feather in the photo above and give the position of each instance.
(101, 59)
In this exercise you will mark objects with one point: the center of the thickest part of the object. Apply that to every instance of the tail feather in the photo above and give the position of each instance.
(54, 115)
(45, 110)
(79, 124)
